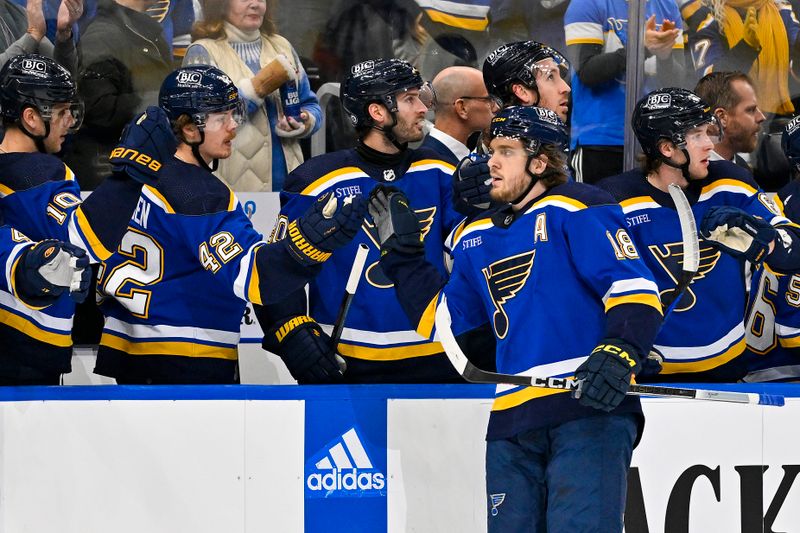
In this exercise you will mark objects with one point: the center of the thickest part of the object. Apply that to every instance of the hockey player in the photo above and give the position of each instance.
(521, 73)
(737, 221)
(772, 324)
(40, 198)
(386, 101)
(556, 254)
(175, 291)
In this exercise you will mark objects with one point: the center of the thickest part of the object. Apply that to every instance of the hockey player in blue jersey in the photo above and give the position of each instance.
(175, 290)
(40, 198)
(556, 254)
(736, 219)
(772, 325)
(386, 101)
(520, 73)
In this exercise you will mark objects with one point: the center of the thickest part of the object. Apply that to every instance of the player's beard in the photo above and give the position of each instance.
(406, 132)
(509, 191)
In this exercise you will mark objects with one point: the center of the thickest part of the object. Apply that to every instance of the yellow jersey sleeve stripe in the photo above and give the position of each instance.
(98, 249)
(5, 190)
(435, 162)
(584, 40)
(558, 200)
(184, 349)
(636, 200)
(425, 327)
(32, 330)
(160, 197)
(521, 396)
(69, 175)
(390, 354)
(705, 364)
(637, 298)
(253, 289)
(330, 176)
(718, 184)
(232, 200)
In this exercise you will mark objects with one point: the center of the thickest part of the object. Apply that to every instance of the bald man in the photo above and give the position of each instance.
(463, 106)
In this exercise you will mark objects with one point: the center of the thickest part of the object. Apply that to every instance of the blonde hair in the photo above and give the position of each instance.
(212, 25)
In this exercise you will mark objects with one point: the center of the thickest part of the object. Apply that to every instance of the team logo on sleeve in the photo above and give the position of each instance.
(670, 257)
(505, 278)
(374, 274)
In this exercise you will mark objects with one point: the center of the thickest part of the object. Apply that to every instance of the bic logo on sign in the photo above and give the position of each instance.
(343, 469)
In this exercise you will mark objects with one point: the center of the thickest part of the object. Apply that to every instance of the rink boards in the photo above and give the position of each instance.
(366, 458)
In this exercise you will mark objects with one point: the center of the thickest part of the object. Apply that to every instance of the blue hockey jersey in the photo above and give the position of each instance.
(40, 198)
(773, 313)
(703, 337)
(175, 290)
(553, 280)
(378, 341)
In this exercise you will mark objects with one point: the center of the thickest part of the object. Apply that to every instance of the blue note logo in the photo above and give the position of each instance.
(343, 469)
(496, 501)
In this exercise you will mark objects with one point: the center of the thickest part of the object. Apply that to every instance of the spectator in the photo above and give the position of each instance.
(463, 106)
(733, 101)
(238, 36)
(125, 57)
(596, 33)
(22, 31)
(756, 37)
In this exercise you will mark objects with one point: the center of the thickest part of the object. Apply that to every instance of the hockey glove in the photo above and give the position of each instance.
(306, 350)
(50, 266)
(738, 233)
(397, 223)
(471, 185)
(324, 228)
(146, 143)
(606, 375)
(651, 365)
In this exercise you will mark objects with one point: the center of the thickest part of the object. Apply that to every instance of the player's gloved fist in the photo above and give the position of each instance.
(327, 225)
(471, 184)
(397, 223)
(651, 365)
(48, 268)
(606, 375)
(737, 232)
(306, 350)
(146, 143)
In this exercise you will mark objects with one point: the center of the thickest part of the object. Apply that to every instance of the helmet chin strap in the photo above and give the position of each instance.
(389, 134)
(196, 153)
(684, 168)
(38, 140)
(534, 179)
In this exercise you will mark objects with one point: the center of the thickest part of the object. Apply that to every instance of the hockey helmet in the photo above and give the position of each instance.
(790, 143)
(534, 126)
(32, 80)
(516, 63)
(197, 91)
(668, 114)
(379, 80)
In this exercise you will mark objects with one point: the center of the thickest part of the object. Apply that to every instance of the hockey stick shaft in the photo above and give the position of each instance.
(476, 375)
(349, 291)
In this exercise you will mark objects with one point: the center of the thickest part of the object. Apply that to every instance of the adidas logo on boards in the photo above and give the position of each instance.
(344, 469)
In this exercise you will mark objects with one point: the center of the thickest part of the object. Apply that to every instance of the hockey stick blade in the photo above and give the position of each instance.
(691, 247)
(349, 291)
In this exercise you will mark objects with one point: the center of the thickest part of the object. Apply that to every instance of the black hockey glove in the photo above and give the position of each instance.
(324, 227)
(397, 223)
(49, 267)
(737, 232)
(651, 366)
(146, 143)
(606, 375)
(471, 185)
(306, 350)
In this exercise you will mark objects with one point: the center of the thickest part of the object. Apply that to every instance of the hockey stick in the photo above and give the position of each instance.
(475, 375)
(349, 291)
(691, 248)
(691, 260)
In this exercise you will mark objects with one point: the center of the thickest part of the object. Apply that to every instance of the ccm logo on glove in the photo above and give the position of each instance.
(616, 350)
